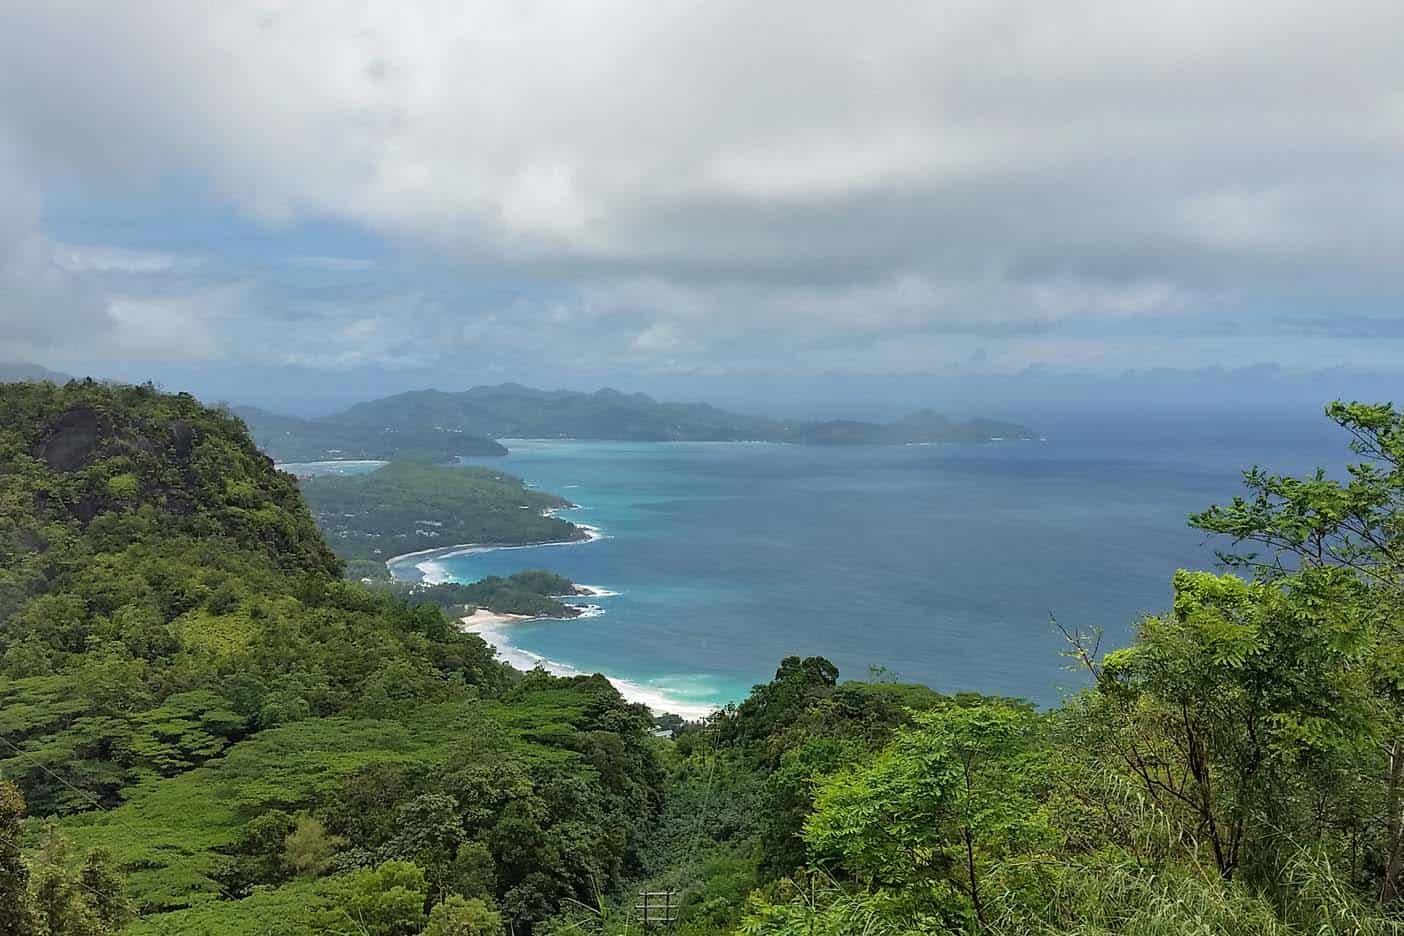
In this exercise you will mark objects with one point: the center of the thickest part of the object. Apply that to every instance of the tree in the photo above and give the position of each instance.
(308, 849)
(933, 804)
(1243, 707)
(385, 901)
(102, 888)
(16, 912)
(64, 905)
(774, 705)
(472, 873)
(1317, 522)
(459, 917)
(429, 829)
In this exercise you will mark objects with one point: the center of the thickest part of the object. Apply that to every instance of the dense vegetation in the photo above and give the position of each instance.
(534, 592)
(411, 506)
(289, 439)
(214, 734)
(510, 411)
(227, 738)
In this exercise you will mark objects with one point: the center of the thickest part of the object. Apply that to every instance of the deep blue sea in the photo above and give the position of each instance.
(940, 563)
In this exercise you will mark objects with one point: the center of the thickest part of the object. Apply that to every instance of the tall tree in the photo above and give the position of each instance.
(1243, 709)
(933, 806)
(16, 914)
(1355, 523)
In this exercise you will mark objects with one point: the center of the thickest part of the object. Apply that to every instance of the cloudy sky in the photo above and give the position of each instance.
(335, 199)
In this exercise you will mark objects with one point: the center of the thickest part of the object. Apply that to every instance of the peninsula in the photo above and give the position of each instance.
(410, 507)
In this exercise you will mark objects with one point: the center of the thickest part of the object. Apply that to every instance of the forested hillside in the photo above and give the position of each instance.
(228, 739)
(290, 439)
(210, 733)
(410, 506)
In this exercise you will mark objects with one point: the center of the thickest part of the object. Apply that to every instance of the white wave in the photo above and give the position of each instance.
(433, 573)
(658, 698)
(592, 533)
(591, 591)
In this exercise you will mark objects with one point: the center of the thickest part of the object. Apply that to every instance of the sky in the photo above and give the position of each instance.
(307, 203)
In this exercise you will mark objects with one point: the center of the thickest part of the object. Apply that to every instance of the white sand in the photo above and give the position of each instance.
(482, 617)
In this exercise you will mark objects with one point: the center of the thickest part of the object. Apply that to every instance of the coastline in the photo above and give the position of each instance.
(423, 574)
(493, 628)
(424, 566)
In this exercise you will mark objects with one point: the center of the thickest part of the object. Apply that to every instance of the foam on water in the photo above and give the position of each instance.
(595, 591)
(659, 698)
(434, 573)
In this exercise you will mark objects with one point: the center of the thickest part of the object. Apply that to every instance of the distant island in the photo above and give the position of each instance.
(448, 425)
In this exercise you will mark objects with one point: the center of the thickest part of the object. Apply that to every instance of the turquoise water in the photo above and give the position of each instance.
(940, 563)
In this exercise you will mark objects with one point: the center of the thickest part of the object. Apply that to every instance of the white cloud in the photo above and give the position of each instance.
(41, 305)
(170, 327)
(75, 259)
(701, 174)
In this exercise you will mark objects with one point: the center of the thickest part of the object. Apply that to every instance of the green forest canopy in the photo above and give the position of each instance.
(289, 439)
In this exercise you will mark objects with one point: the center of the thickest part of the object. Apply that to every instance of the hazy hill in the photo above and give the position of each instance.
(289, 439)
(514, 411)
(10, 371)
(922, 426)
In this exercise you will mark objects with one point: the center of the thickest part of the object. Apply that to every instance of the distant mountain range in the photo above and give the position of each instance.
(440, 423)
(14, 372)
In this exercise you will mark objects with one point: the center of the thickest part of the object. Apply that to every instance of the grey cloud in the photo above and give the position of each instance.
(703, 175)
(42, 306)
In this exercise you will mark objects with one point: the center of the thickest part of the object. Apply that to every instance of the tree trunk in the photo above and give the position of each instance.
(974, 882)
(1394, 827)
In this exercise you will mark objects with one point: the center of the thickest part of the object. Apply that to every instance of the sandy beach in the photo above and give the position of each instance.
(431, 573)
(482, 617)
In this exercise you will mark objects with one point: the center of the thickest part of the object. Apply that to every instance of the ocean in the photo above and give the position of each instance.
(939, 564)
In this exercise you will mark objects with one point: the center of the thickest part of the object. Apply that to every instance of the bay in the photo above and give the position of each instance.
(938, 564)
